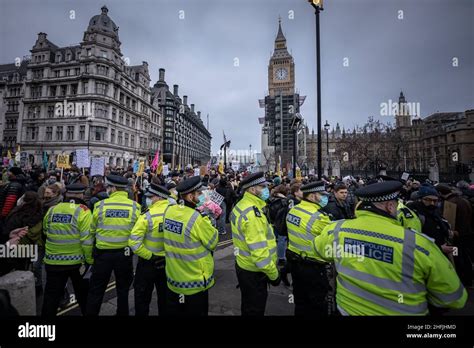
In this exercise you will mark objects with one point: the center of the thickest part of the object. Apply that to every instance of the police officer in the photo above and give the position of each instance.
(112, 222)
(407, 217)
(146, 241)
(255, 246)
(306, 221)
(383, 268)
(190, 240)
(68, 245)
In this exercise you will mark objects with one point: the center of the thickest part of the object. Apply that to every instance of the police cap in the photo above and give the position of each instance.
(157, 190)
(315, 186)
(189, 185)
(76, 188)
(253, 180)
(380, 192)
(116, 180)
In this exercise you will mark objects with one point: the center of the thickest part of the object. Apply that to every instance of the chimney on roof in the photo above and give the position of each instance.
(192, 107)
(185, 99)
(199, 114)
(42, 36)
(175, 90)
(162, 75)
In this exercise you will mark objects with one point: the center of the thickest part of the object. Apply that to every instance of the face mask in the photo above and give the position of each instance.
(149, 202)
(51, 181)
(324, 201)
(265, 194)
(202, 199)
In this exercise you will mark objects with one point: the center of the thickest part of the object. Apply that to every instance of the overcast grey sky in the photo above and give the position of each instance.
(385, 53)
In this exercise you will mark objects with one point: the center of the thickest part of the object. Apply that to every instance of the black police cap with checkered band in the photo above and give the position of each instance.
(157, 190)
(189, 185)
(380, 192)
(253, 180)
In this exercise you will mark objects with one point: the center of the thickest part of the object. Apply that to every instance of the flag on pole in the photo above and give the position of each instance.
(154, 163)
(159, 169)
(141, 169)
(135, 166)
(221, 167)
(45, 160)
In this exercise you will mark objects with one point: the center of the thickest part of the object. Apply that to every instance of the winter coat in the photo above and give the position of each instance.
(9, 195)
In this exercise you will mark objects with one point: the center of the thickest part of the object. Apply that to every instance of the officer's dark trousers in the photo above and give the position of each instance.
(56, 280)
(190, 305)
(310, 288)
(106, 261)
(148, 275)
(254, 290)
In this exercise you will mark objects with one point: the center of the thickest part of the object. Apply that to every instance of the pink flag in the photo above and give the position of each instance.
(154, 164)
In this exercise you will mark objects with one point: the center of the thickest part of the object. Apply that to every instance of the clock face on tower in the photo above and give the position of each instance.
(281, 74)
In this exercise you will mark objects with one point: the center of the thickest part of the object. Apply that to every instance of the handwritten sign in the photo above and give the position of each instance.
(166, 170)
(62, 161)
(82, 158)
(97, 166)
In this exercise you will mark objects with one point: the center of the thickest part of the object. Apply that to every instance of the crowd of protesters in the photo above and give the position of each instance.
(25, 198)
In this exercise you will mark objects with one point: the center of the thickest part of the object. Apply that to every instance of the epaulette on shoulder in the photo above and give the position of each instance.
(407, 212)
(257, 212)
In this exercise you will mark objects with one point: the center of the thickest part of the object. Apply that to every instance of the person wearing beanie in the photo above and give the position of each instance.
(433, 224)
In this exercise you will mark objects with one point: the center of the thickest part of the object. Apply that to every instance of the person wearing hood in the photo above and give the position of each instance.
(11, 192)
(433, 224)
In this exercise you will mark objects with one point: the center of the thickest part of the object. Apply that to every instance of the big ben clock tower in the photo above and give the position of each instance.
(281, 69)
(281, 104)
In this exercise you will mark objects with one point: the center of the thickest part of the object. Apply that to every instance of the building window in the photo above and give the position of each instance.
(126, 139)
(52, 91)
(68, 72)
(121, 117)
(114, 114)
(63, 90)
(103, 53)
(102, 70)
(101, 88)
(133, 122)
(85, 88)
(57, 73)
(132, 140)
(127, 120)
(32, 133)
(112, 136)
(100, 110)
(77, 71)
(74, 89)
(38, 73)
(49, 133)
(82, 132)
(36, 92)
(86, 68)
(89, 52)
(50, 111)
(70, 132)
(59, 133)
(120, 137)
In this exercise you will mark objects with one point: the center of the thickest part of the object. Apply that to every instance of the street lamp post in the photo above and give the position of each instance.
(326, 128)
(318, 6)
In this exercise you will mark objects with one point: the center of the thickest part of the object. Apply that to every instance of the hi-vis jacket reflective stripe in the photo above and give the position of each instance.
(305, 221)
(385, 269)
(408, 217)
(189, 240)
(253, 237)
(113, 220)
(147, 238)
(68, 238)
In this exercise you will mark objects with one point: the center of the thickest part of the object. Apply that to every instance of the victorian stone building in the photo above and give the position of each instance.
(61, 99)
(12, 89)
(86, 96)
(186, 141)
(442, 142)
